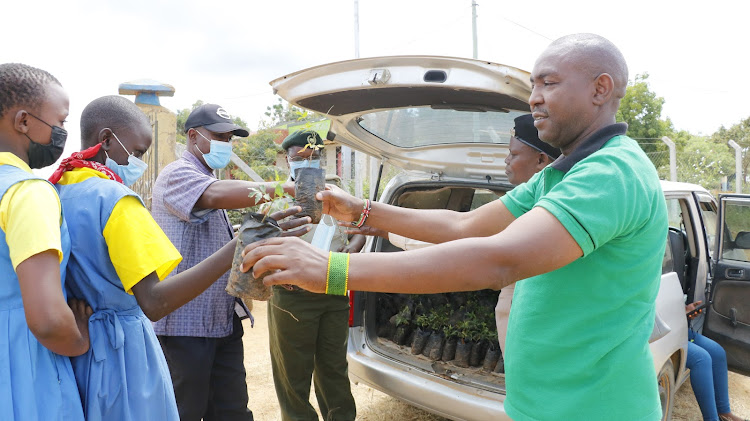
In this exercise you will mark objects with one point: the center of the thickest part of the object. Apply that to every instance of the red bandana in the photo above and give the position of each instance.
(80, 160)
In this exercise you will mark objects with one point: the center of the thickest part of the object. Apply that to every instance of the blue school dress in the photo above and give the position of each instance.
(124, 376)
(35, 383)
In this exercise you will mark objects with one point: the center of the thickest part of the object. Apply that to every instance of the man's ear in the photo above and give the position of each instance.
(20, 121)
(191, 135)
(604, 87)
(105, 137)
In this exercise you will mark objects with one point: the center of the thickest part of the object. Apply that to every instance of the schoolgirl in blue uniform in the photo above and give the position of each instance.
(38, 330)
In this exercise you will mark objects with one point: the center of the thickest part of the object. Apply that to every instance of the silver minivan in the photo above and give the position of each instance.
(445, 124)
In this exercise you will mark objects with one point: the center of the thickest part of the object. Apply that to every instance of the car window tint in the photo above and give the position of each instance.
(736, 242)
(667, 265)
(424, 126)
(674, 213)
(708, 212)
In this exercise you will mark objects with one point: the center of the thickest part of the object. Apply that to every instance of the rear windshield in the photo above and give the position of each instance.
(424, 126)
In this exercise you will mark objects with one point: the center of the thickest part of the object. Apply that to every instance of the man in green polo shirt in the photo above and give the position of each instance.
(594, 223)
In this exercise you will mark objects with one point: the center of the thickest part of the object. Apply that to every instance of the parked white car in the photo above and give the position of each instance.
(446, 122)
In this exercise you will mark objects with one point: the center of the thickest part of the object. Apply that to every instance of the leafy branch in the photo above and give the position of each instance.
(403, 316)
(270, 204)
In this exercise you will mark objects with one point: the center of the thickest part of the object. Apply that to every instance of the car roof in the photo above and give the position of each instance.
(675, 187)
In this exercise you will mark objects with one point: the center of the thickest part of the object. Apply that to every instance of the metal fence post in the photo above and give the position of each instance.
(737, 164)
(246, 168)
(672, 158)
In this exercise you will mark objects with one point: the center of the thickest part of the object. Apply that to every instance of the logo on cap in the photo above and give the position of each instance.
(223, 113)
(513, 132)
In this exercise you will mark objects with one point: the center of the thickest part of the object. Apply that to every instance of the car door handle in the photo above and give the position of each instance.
(735, 273)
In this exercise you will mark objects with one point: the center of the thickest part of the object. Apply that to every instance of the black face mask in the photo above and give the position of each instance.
(41, 155)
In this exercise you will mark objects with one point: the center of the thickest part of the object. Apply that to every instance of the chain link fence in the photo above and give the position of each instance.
(712, 166)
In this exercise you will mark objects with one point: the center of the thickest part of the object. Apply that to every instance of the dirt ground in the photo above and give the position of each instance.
(373, 405)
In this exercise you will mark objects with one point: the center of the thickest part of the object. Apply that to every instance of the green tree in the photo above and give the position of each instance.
(740, 133)
(702, 161)
(259, 151)
(282, 113)
(641, 109)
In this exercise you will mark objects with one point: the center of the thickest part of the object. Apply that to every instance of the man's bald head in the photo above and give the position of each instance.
(577, 84)
(594, 55)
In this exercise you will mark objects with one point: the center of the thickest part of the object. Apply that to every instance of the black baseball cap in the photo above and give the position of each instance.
(214, 118)
(526, 132)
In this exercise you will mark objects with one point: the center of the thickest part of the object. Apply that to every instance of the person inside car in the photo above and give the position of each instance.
(707, 362)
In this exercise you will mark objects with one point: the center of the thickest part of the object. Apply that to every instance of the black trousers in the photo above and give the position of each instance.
(208, 376)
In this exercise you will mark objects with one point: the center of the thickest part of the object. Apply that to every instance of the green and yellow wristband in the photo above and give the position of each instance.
(337, 276)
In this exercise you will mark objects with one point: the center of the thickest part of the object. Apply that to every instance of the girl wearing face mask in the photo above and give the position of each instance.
(38, 331)
(119, 261)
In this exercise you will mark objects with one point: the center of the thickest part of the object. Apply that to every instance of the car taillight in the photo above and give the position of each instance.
(351, 308)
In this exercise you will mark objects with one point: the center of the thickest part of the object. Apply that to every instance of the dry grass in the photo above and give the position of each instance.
(373, 405)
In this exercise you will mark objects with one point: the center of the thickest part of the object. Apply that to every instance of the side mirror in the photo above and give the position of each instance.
(742, 241)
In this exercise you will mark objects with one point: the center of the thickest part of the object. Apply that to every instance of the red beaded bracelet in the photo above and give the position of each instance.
(365, 213)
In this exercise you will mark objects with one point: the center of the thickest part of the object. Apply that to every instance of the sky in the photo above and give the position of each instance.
(227, 52)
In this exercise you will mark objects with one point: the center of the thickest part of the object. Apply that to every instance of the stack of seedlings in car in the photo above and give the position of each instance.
(452, 327)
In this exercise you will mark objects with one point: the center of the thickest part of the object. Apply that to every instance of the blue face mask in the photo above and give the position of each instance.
(306, 163)
(219, 155)
(129, 173)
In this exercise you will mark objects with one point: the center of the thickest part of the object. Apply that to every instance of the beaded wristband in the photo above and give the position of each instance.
(337, 275)
(365, 213)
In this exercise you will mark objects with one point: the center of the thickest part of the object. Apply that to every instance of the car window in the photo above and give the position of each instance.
(482, 197)
(674, 213)
(679, 217)
(424, 126)
(708, 212)
(736, 241)
(667, 265)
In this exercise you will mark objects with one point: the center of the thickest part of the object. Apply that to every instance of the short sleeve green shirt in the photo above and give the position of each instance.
(577, 340)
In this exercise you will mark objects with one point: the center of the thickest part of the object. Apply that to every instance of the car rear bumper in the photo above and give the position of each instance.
(416, 387)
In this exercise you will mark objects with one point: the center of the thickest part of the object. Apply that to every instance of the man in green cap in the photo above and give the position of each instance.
(308, 332)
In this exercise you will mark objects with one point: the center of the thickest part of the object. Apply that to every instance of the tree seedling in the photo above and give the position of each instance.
(270, 204)
(313, 146)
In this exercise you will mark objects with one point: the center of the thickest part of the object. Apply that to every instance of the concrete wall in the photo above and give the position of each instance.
(162, 151)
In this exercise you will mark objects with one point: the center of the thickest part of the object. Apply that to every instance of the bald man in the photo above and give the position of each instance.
(586, 234)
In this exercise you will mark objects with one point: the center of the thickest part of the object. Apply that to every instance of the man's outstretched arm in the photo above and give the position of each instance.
(534, 244)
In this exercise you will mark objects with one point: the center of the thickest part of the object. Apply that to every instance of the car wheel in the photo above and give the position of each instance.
(666, 390)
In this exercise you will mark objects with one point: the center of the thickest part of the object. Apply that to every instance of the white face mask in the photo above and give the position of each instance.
(129, 173)
(219, 154)
(306, 163)
(324, 233)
